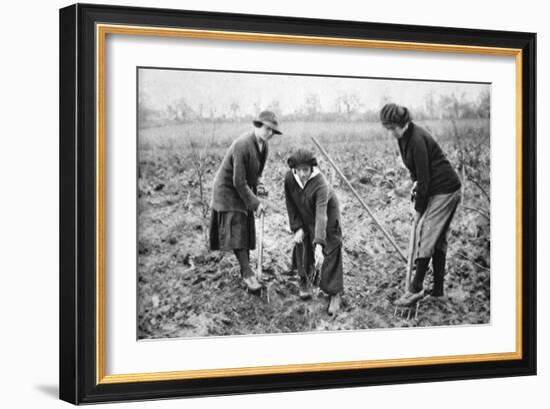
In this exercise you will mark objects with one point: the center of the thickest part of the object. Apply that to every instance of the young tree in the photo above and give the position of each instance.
(484, 104)
(145, 112)
(257, 108)
(275, 106)
(431, 106)
(199, 161)
(180, 111)
(235, 109)
(312, 106)
(351, 103)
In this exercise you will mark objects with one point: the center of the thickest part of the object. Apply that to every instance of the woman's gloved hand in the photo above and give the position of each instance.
(319, 256)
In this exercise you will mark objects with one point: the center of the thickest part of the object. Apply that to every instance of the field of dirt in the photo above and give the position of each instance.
(185, 290)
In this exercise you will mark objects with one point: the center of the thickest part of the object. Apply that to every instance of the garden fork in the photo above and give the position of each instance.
(407, 311)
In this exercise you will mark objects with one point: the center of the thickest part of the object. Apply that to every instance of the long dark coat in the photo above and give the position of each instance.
(316, 210)
(234, 195)
(236, 180)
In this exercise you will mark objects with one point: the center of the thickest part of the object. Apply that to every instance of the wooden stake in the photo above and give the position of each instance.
(376, 222)
(260, 248)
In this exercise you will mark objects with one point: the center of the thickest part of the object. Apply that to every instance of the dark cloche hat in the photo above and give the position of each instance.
(268, 118)
(302, 157)
(394, 114)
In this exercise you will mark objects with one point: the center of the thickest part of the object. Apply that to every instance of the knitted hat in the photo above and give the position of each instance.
(393, 114)
(267, 118)
(302, 157)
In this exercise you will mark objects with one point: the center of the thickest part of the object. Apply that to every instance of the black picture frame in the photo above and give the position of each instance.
(78, 197)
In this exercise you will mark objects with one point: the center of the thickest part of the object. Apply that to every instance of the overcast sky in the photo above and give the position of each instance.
(219, 90)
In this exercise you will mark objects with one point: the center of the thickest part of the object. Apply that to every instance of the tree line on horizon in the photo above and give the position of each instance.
(346, 107)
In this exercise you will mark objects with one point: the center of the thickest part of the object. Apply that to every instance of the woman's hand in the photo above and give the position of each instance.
(264, 206)
(260, 209)
(412, 211)
(298, 236)
(413, 190)
(319, 256)
(413, 201)
(261, 189)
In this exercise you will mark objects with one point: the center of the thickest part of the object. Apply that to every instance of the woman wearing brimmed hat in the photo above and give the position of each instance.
(436, 196)
(235, 194)
(314, 216)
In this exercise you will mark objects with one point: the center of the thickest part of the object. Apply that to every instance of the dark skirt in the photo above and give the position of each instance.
(232, 231)
(332, 271)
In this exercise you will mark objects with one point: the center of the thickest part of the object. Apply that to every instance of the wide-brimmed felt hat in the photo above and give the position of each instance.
(268, 118)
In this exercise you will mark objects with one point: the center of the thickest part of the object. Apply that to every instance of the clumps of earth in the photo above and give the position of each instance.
(185, 290)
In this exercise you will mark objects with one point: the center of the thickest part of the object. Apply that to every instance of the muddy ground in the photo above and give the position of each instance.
(185, 290)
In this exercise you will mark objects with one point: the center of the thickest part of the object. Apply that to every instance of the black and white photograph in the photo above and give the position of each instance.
(275, 204)
(283, 203)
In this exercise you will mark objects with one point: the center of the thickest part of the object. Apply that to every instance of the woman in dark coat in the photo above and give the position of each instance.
(436, 196)
(234, 198)
(314, 216)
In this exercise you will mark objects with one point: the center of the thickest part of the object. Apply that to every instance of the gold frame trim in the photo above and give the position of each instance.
(101, 32)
